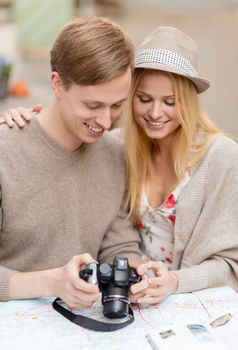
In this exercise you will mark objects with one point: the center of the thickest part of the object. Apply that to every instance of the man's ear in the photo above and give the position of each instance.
(57, 84)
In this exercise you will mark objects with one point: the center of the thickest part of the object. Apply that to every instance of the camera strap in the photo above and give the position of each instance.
(90, 323)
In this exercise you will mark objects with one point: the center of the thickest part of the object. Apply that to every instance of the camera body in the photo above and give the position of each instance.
(114, 281)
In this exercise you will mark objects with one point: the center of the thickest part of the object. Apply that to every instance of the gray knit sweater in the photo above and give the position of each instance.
(206, 229)
(55, 204)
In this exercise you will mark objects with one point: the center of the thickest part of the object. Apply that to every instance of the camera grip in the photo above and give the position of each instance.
(89, 274)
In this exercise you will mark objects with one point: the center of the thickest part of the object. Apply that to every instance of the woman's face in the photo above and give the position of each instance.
(154, 105)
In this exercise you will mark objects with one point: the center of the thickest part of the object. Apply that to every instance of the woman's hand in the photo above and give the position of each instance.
(19, 116)
(152, 290)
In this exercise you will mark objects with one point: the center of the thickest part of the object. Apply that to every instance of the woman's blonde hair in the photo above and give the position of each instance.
(189, 144)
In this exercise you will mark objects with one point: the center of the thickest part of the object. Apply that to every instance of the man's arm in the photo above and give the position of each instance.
(63, 282)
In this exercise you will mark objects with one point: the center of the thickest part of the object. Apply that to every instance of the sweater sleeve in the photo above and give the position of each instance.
(210, 258)
(5, 274)
(120, 239)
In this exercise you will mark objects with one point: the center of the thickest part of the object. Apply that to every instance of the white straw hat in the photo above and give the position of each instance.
(169, 49)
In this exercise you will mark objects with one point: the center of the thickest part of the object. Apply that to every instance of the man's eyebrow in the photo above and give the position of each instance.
(122, 100)
(101, 102)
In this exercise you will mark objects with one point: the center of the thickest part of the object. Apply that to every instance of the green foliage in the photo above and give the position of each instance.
(5, 67)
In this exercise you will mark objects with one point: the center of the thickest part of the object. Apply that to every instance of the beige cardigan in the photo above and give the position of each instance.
(206, 230)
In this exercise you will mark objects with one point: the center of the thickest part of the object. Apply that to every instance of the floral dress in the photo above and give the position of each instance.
(156, 225)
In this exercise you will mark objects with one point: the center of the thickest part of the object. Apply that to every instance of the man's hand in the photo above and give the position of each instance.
(72, 289)
(19, 116)
(63, 282)
(152, 290)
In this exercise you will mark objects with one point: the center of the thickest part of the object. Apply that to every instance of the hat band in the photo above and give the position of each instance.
(168, 58)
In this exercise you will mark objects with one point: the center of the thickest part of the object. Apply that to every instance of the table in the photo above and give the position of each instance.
(34, 324)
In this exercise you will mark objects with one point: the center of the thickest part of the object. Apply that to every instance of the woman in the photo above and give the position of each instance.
(182, 174)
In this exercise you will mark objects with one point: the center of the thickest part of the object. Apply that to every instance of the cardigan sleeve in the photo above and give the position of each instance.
(122, 239)
(210, 256)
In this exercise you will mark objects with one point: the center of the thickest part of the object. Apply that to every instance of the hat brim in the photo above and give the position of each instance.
(201, 84)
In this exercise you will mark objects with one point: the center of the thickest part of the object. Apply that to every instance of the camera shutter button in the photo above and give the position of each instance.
(105, 269)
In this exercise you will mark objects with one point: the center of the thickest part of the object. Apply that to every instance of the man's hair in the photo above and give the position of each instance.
(90, 51)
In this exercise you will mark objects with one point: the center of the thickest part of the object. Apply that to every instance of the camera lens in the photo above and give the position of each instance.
(115, 302)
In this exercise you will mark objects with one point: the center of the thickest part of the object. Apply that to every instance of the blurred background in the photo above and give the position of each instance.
(28, 28)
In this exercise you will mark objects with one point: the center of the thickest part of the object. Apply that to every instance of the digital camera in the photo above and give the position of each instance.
(114, 282)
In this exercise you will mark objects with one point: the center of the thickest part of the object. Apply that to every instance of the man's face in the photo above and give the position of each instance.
(85, 112)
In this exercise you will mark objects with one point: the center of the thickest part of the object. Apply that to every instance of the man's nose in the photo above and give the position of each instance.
(104, 120)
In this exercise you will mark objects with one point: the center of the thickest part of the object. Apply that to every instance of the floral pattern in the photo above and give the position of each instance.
(156, 225)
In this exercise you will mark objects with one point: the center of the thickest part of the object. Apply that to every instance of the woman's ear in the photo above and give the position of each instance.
(57, 84)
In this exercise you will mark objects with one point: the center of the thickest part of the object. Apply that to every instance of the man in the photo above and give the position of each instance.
(62, 180)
